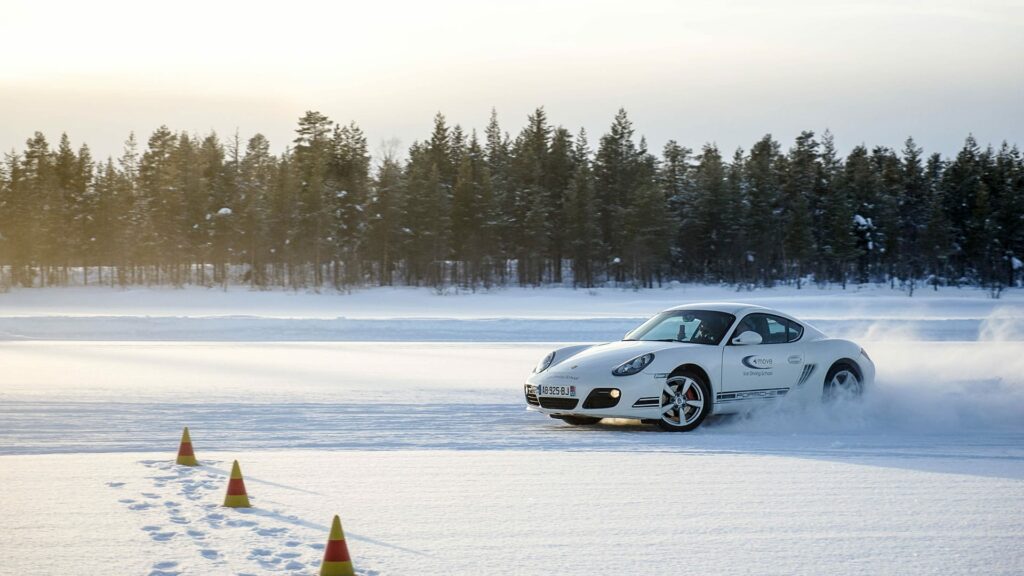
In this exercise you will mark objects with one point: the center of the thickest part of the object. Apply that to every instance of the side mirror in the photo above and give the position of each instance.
(747, 338)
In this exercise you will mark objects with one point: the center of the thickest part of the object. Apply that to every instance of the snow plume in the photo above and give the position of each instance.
(1004, 324)
(935, 388)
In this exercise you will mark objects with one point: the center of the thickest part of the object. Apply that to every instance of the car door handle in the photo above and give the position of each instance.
(795, 359)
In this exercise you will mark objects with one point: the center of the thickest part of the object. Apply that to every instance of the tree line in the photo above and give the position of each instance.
(479, 210)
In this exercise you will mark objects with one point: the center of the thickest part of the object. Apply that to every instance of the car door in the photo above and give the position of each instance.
(766, 370)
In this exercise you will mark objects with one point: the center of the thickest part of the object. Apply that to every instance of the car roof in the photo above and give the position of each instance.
(734, 308)
(739, 310)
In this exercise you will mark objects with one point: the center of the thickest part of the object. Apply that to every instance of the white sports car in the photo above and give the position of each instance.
(695, 360)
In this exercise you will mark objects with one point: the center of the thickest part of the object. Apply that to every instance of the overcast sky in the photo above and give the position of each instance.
(720, 71)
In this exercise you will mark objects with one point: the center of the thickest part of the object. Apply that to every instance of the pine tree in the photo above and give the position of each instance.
(647, 224)
(466, 221)
(313, 154)
(283, 224)
(582, 234)
(889, 175)
(961, 183)
(672, 175)
(860, 187)
(803, 171)
(733, 267)
(838, 246)
(702, 225)
(497, 150)
(66, 211)
(350, 181)
(84, 216)
(558, 173)
(130, 214)
(530, 197)
(42, 225)
(912, 214)
(255, 191)
(764, 176)
(106, 227)
(384, 228)
(615, 168)
(15, 223)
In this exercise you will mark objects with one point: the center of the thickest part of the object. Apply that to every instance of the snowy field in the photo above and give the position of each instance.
(401, 410)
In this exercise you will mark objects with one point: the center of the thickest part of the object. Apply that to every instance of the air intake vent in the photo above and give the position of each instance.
(808, 370)
(558, 403)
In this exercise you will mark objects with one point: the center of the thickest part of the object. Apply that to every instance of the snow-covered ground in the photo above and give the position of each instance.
(426, 452)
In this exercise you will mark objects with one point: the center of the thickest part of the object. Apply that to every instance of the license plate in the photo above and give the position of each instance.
(564, 391)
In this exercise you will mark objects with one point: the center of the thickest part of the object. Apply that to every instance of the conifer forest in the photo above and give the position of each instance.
(541, 206)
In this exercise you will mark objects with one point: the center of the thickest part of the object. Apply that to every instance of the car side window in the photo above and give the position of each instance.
(793, 331)
(773, 329)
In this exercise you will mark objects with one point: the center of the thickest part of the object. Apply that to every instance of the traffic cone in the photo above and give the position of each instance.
(186, 457)
(236, 496)
(336, 559)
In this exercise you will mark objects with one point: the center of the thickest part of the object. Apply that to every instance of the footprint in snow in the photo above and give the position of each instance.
(196, 534)
(150, 495)
(271, 531)
(162, 536)
(294, 565)
(240, 523)
(179, 520)
(140, 506)
(209, 554)
(292, 543)
(115, 484)
(164, 569)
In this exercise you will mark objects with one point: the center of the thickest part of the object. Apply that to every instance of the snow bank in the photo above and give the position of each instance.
(541, 303)
(519, 315)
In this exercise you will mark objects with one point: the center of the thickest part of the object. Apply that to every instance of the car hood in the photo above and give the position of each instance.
(614, 353)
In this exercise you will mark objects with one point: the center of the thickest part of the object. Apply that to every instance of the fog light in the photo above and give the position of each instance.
(614, 393)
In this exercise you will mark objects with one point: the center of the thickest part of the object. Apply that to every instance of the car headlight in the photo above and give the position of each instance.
(633, 366)
(544, 364)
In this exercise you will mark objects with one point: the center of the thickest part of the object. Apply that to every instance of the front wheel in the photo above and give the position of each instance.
(685, 401)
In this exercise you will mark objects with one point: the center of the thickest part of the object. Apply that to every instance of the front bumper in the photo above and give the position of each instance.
(638, 397)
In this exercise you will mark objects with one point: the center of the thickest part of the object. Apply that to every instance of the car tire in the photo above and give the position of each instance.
(685, 402)
(843, 381)
(579, 420)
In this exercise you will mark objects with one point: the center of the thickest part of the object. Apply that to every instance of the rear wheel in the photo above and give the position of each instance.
(842, 381)
(685, 401)
(578, 420)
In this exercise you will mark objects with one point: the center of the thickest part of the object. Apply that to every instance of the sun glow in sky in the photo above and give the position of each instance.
(700, 71)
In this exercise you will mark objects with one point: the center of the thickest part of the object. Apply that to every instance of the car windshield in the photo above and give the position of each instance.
(692, 326)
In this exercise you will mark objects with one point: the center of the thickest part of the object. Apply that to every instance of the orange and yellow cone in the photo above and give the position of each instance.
(337, 562)
(236, 496)
(186, 457)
